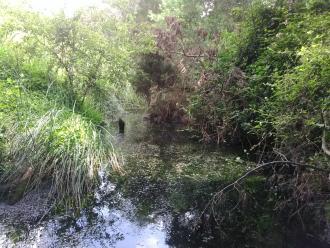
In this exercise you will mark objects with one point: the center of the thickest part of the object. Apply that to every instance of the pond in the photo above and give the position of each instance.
(157, 199)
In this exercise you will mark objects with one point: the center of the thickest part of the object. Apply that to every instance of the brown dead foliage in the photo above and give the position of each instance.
(166, 105)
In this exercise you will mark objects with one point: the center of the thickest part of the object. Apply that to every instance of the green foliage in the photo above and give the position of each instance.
(305, 89)
(292, 72)
(155, 72)
(59, 146)
(91, 112)
(60, 79)
(275, 59)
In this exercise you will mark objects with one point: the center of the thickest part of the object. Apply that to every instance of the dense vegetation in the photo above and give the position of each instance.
(61, 79)
(235, 68)
(253, 74)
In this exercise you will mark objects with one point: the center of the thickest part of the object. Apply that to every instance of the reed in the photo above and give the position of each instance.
(61, 147)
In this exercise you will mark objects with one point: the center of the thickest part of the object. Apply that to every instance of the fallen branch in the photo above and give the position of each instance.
(325, 127)
(261, 166)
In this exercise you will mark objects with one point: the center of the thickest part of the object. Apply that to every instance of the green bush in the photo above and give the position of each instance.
(273, 83)
(289, 83)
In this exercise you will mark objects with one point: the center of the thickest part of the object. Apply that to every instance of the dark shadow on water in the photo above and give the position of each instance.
(159, 201)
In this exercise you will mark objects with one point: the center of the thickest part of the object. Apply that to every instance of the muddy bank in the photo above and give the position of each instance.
(28, 210)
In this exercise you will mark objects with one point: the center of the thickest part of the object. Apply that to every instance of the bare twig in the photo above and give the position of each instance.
(220, 193)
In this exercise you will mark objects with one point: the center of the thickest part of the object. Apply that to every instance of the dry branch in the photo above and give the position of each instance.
(217, 196)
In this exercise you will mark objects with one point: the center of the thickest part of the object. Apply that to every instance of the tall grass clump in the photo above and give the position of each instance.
(61, 147)
(2, 148)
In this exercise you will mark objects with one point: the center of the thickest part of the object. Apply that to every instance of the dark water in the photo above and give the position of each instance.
(156, 199)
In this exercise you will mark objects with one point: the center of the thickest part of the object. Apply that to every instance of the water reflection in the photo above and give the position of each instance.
(151, 207)
(158, 201)
(101, 226)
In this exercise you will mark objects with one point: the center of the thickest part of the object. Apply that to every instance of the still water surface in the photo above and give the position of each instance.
(156, 200)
